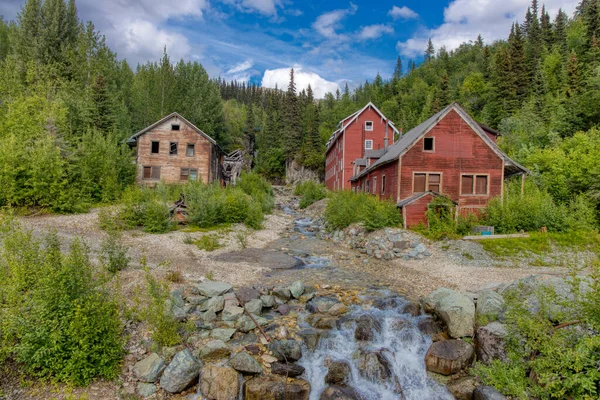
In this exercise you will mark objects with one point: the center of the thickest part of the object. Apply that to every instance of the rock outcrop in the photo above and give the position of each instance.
(449, 356)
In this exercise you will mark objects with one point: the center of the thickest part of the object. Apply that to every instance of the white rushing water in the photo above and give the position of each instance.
(400, 342)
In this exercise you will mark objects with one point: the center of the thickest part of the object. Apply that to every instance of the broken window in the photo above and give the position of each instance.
(173, 149)
(190, 151)
(383, 184)
(474, 185)
(428, 144)
(175, 127)
(434, 182)
(155, 147)
(151, 173)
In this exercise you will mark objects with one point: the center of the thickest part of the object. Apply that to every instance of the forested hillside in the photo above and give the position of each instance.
(68, 102)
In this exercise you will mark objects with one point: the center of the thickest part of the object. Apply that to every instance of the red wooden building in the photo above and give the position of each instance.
(449, 154)
(360, 139)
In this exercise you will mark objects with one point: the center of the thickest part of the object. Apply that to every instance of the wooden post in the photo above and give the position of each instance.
(522, 185)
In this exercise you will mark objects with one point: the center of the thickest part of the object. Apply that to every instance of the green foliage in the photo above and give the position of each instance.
(442, 222)
(113, 253)
(208, 242)
(310, 193)
(346, 208)
(545, 359)
(542, 243)
(71, 331)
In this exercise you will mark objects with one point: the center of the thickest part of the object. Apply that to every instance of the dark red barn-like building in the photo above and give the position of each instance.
(360, 139)
(449, 154)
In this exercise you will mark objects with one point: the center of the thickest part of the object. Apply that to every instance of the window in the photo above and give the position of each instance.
(188, 174)
(175, 127)
(383, 184)
(424, 181)
(190, 151)
(368, 125)
(368, 145)
(474, 185)
(368, 188)
(375, 185)
(151, 173)
(428, 144)
(155, 147)
(173, 149)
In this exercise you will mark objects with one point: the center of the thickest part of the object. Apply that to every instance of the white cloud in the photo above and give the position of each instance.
(465, 19)
(280, 77)
(142, 40)
(374, 31)
(241, 72)
(264, 7)
(402, 13)
(327, 23)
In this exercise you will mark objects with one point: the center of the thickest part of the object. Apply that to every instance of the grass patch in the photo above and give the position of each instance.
(208, 242)
(541, 243)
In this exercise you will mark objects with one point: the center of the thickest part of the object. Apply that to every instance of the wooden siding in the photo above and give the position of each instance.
(415, 212)
(205, 159)
(390, 171)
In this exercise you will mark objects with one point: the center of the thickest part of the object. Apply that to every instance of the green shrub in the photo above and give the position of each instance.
(442, 222)
(113, 253)
(310, 193)
(71, 331)
(259, 189)
(346, 208)
(208, 242)
(156, 218)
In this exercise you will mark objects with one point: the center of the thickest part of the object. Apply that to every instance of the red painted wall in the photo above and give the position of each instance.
(414, 212)
(350, 145)
(391, 181)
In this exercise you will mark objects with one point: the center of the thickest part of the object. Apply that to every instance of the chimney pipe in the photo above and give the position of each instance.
(385, 139)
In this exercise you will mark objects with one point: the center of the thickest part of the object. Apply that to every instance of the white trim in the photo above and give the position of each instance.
(371, 144)
(367, 124)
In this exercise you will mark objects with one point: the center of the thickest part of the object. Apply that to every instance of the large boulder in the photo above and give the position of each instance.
(289, 370)
(245, 294)
(181, 373)
(449, 356)
(321, 304)
(297, 289)
(374, 366)
(310, 337)
(490, 342)
(150, 368)
(212, 289)
(462, 388)
(321, 321)
(219, 383)
(245, 363)
(489, 306)
(455, 309)
(214, 350)
(338, 373)
(339, 393)
(286, 350)
(267, 388)
(487, 393)
(367, 327)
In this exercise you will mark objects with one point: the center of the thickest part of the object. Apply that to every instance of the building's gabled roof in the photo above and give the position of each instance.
(411, 137)
(343, 124)
(418, 196)
(132, 141)
(361, 162)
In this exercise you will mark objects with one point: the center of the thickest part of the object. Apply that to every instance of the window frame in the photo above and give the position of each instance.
(374, 185)
(427, 173)
(152, 147)
(382, 185)
(187, 147)
(171, 148)
(189, 174)
(475, 175)
(432, 145)
(175, 125)
(367, 186)
(372, 126)
(152, 168)
(368, 141)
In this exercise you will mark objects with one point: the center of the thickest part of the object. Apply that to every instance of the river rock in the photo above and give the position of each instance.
(449, 356)
(462, 388)
(207, 317)
(245, 294)
(321, 304)
(339, 393)
(309, 294)
(282, 293)
(179, 314)
(337, 309)
(490, 343)
(212, 289)
(286, 350)
(245, 363)
(388, 303)
(145, 389)
(455, 309)
(366, 328)
(196, 300)
(268, 301)
(412, 308)
(338, 373)
(289, 370)
(181, 372)
(215, 304)
(269, 388)
(214, 350)
(297, 289)
(223, 334)
(219, 383)
(487, 393)
(231, 313)
(245, 323)
(428, 326)
(254, 306)
(283, 309)
(310, 337)
(374, 366)
(321, 321)
(489, 306)
(150, 368)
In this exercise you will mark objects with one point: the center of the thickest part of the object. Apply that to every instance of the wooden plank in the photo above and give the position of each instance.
(484, 237)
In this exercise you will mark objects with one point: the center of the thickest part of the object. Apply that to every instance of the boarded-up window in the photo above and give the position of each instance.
(467, 184)
(383, 184)
(481, 184)
(190, 150)
(151, 173)
(155, 147)
(428, 144)
(434, 182)
(375, 185)
(173, 149)
(419, 184)
(368, 189)
(193, 174)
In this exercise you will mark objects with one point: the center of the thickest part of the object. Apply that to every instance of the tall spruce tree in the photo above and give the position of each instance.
(292, 131)
(429, 51)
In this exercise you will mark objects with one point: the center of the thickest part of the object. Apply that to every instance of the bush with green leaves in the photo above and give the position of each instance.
(113, 253)
(71, 331)
(346, 208)
(550, 358)
(310, 193)
(442, 222)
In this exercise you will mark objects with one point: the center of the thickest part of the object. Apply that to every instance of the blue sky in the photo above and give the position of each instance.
(329, 42)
